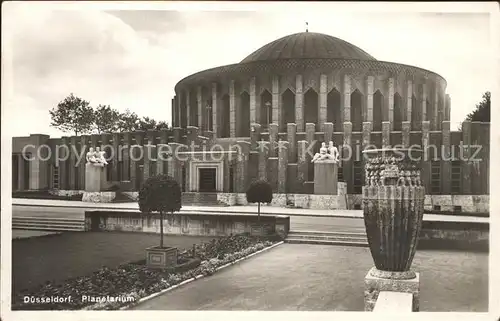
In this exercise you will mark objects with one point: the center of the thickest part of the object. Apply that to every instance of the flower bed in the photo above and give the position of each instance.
(112, 288)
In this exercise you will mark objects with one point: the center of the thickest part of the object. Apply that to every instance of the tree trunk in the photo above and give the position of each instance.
(161, 229)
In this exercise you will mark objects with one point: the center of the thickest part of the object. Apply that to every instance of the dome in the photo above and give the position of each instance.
(308, 45)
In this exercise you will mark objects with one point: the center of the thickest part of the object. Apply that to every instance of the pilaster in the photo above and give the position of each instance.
(465, 153)
(409, 95)
(84, 140)
(255, 134)
(276, 103)
(232, 109)
(292, 140)
(447, 108)
(215, 109)
(369, 99)
(303, 160)
(386, 134)
(388, 110)
(116, 157)
(328, 130)
(253, 101)
(189, 120)
(72, 164)
(273, 139)
(347, 156)
(125, 175)
(282, 166)
(426, 161)
(162, 150)
(405, 133)
(423, 101)
(263, 156)
(310, 132)
(63, 163)
(446, 159)
(199, 100)
(346, 101)
(366, 135)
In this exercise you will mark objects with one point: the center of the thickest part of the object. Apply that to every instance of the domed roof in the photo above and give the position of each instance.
(308, 45)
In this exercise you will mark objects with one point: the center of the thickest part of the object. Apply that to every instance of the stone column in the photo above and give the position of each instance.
(242, 167)
(149, 155)
(116, 157)
(199, 101)
(292, 140)
(125, 175)
(347, 157)
(426, 160)
(72, 163)
(446, 159)
(273, 139)
(405, 133)
(172, 101)
(215, 123)
(174, 164)
(424, 102)
(179, 110)
(386, 134)
(434, 103)
(465, 154)
(310, 132)
(323, 87)
(232, 109)
(328, 129)
(162, 150)
(299, 104)
(21, 173)
(64, 165)
(302, 163)
(369, 99)
(409, 96)
(255, 134)
(346, 106)
(188, 108)
(177, 134)
(253, 102)
(282, 166)
(263, 156)
(136, 156)
(93, 141)
(276, 103)
(84, 141)
(388, 112)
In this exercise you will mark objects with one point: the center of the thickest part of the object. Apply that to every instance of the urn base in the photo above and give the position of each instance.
(374, 285)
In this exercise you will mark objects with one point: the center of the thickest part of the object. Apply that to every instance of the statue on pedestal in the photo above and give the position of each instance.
(326, 154)
(96, 157)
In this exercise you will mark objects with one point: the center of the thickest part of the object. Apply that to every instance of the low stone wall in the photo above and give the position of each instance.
(184, 224)
(452, 203)
(457, 235)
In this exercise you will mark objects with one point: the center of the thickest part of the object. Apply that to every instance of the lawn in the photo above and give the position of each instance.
(62, 256)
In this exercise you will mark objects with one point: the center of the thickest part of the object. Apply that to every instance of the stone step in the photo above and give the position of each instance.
(46, 228)
(48, 223)
(54, 220)
(325, 242)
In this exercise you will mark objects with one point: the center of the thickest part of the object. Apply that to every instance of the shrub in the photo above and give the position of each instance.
(160, 194)
(259, 192)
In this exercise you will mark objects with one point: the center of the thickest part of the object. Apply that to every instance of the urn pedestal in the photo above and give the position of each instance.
(95, 178)
(325, 177)
(393, 199)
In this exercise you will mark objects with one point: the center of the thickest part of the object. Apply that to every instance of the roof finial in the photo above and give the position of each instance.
(307, 26)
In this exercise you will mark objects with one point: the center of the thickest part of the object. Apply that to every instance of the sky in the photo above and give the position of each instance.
(131, 57)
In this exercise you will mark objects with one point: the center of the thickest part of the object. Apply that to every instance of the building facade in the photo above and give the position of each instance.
(268, 113)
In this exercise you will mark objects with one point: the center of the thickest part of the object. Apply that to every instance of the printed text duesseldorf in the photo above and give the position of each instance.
(84, 299)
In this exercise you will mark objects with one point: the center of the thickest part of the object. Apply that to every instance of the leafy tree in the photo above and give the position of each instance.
(259, 191)
(106, 119)
(161, 194)
(147, 124)
(128, 121)
(483, 110)
(73, 114)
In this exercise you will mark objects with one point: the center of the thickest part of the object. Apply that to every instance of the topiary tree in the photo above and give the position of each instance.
(161, 194)
(259, 192)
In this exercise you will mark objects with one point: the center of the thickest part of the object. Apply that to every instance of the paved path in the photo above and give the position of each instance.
(249, 210)
(298, 277)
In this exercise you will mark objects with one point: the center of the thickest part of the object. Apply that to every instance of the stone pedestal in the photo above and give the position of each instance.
(95, 178)
(157, 257)
(325, 177)
(377, 281)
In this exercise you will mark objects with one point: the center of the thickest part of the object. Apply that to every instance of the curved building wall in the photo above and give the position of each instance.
(228, 100)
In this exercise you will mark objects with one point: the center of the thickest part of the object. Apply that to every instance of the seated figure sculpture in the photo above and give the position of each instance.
(334, 152)
(96, 157)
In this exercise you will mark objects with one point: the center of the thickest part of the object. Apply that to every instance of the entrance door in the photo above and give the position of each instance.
(207, 179)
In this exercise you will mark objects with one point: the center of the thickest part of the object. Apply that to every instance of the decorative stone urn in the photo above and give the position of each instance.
(393, 198)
